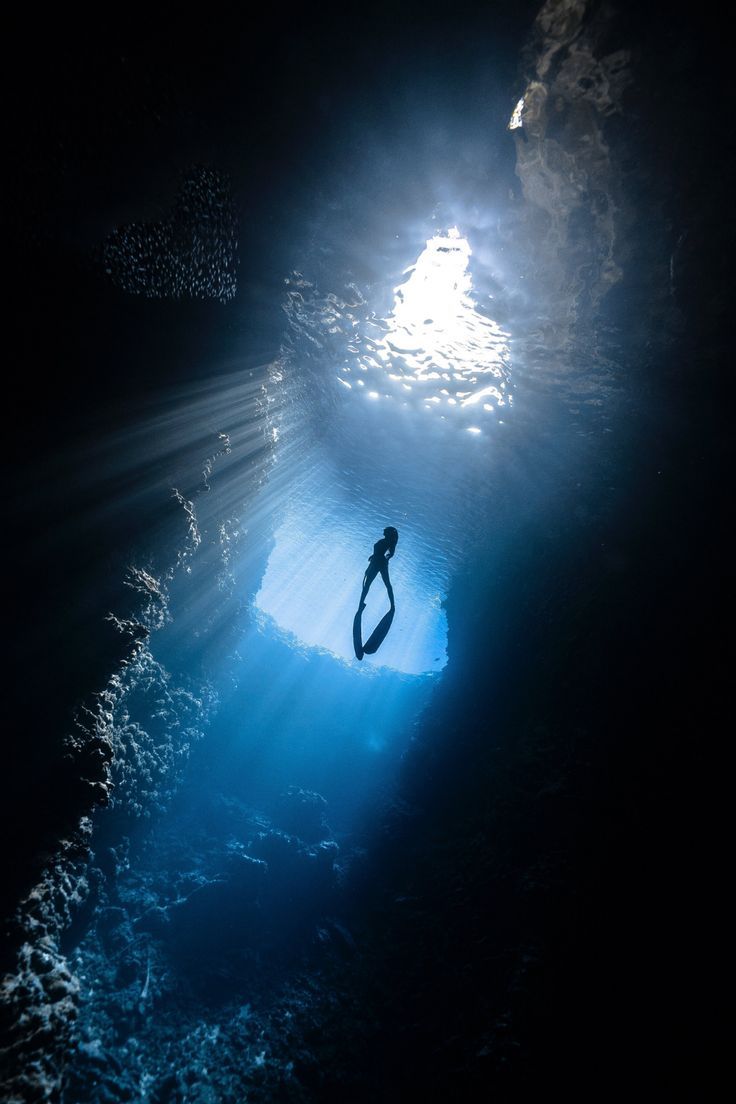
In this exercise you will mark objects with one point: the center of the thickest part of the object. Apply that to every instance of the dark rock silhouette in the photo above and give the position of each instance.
(302, 813)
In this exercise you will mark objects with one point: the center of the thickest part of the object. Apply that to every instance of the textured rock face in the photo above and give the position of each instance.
(127, 752)
(192, 252)
(39, 997)
(570, 176)
(302, 813)
(185, 975)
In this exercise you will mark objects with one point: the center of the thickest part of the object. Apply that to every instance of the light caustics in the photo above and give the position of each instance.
(436, 350)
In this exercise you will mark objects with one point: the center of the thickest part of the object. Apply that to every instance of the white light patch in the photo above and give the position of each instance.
(435, 332)
(516, 120)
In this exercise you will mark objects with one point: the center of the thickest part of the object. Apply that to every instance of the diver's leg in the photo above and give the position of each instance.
(387, 581)
(368, 578)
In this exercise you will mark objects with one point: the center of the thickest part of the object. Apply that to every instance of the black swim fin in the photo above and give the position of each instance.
(358, 634)
(379, 634)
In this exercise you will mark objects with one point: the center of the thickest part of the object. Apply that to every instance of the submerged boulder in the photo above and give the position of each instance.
(302, 813)
(220, 912)
(114, 929)
(301, 877)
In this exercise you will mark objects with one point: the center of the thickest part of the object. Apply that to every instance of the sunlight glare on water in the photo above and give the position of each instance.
(436, 350)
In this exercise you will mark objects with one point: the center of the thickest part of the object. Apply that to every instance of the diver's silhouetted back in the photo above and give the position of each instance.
(383, 550)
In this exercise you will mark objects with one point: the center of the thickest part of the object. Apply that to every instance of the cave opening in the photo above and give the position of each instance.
(299, 285)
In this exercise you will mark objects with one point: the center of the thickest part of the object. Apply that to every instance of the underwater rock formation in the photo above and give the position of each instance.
(568, 160)
(219, 913)
(134, 770)
(302, 813)
(196, 940)
(563, 158)
(126, 752)
(39, 996)
(193, 251)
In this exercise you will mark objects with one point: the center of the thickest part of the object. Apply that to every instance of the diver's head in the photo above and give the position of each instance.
(391, 535)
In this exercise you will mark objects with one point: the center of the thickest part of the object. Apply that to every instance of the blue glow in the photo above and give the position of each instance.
(435, 350)
(312, 583)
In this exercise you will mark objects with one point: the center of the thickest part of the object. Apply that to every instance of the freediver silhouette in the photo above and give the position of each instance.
(383, 550)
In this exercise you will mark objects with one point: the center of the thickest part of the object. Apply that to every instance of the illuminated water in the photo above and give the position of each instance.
(381, 458)
(411, 383)
(399, 400)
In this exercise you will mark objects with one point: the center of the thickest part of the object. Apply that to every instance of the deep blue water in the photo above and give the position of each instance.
(258, 692)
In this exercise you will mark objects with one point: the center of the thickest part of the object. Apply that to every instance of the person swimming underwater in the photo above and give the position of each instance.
(383, 550)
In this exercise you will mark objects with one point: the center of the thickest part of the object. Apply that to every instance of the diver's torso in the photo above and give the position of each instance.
(380, 548)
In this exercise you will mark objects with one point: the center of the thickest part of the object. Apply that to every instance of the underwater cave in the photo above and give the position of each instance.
(454, 275)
